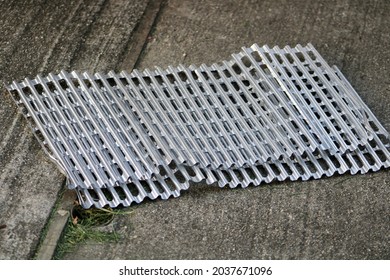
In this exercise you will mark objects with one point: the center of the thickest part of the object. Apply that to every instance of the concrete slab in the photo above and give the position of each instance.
(345, 217)
(40, 37)
(337, 218)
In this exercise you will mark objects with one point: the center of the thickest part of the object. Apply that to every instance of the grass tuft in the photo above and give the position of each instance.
(82, 227)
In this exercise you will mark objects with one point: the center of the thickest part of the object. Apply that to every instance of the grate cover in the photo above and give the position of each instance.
(264, 115)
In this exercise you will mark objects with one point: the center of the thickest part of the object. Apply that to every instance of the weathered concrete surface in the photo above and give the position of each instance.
(338, 218)
(345, 217)
(40, 37)
(342, 217)
(58, 220)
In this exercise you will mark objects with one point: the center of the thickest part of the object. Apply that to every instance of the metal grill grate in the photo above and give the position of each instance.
(266, 114)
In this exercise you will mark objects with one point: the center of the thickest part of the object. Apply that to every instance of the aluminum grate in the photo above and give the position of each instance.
(266, 114)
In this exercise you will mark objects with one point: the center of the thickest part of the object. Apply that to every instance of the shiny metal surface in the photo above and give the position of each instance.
(268, 114)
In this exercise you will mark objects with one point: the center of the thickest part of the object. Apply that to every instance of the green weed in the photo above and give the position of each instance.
(83, 227)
